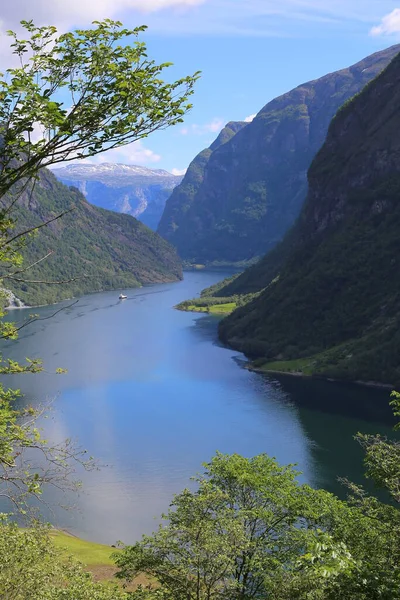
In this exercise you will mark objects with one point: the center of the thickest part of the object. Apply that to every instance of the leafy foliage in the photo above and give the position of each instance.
(33, 569)
(250, 530)
(86, 91)
(116, 96)
(72, 96)
(382, 457)
(91, 249)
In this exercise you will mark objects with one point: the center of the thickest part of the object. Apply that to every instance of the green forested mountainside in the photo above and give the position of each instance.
(256, 277)
(174, 222)
(334, 307)
(103, 249)
(236, 202)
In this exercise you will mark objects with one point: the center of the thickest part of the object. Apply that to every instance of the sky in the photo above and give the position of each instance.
(249, 52)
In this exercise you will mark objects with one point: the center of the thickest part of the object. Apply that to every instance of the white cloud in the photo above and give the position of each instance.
(209, 17)
(213, 126)
(249, 118)
(178, 171)
(269, 18)
(75, 12)
(389, 25)
(132, 154)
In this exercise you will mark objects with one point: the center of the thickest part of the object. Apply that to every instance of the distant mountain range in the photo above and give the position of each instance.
(331, 299)
(240, 195)
(130, 189)
(97, 248)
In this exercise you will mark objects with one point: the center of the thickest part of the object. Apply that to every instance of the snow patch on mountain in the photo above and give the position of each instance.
(115, 174)
(131, 189)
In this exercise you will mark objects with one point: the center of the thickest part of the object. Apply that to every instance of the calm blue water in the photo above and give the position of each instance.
(152, 394)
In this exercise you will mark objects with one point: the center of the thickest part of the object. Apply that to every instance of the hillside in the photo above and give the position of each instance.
(238, 200)
(130, 189)
(103, 249)
(333, 307)
(177, 220)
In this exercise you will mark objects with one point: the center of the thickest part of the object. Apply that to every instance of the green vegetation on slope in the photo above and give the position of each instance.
(336, 300)
(88, 553)
(173, 224)
(237, 201)
(215, 305)
(101, 249)
(249, 530)
(221, 308)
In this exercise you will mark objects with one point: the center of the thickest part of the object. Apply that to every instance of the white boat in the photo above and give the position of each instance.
(122, 297)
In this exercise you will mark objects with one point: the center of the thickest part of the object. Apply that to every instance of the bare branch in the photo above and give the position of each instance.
(11, 275)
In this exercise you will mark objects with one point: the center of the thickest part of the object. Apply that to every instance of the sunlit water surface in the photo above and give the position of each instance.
(152, 394)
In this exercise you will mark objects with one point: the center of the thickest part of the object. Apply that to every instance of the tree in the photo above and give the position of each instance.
(71, 96)
(382, 457)
(380, 570)
(249, 530)
(33, 569)
(85, 92)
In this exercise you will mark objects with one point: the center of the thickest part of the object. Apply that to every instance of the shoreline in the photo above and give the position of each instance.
(138, 287)
(370, 384)
(90, 293)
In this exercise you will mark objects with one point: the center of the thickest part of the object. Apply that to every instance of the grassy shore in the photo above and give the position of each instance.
(88, 553)
(95, 557)
(215, 309)
(308, 367)
(301, 366)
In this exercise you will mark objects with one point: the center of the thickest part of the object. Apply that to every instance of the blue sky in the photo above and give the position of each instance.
(249, 51)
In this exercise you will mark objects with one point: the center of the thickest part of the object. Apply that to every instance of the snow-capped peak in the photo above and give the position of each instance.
(108, 171)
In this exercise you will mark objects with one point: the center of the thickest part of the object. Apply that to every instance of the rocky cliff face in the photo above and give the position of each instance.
(333, 305)
(129, 189)
(95, 248)
(247, 192)
(179, 218)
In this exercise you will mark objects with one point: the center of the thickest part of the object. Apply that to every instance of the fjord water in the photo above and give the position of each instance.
(152, 394)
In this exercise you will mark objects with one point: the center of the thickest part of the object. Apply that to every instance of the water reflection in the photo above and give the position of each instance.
(152, 394)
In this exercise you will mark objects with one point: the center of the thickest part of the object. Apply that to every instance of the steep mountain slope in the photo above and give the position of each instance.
(251, 188)
(176, 221)
(334, 307)
(104, 250)
(129, 189)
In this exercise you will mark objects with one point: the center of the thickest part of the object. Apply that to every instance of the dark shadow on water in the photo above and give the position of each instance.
(331, 414)
(206, 327)
(346, 399)
(338, 398)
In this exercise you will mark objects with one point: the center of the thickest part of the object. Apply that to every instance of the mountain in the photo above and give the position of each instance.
(332, 307)
(179, 216)
(239, 198)
(102, 249)
(130, 189)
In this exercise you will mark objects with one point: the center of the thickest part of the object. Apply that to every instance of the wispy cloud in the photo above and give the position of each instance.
(75, 12)
(132, 154)
(213, 126)
(178, 171)
(269, 18)
(208, 17)
(389, 25)
(249, 118)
